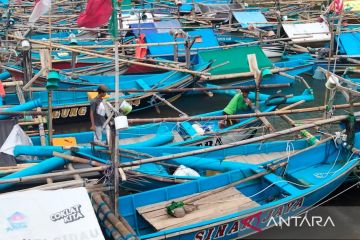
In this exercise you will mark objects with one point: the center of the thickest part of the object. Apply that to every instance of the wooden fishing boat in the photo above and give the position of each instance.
(197, 133)
(233, 71)
(69, 105)
(179, 170)
(246, 199)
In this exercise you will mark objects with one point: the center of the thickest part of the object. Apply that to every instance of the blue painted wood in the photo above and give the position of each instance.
(291, 192)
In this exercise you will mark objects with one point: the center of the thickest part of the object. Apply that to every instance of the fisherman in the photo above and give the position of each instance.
(240, 102)
(97, 115)
(99, 108)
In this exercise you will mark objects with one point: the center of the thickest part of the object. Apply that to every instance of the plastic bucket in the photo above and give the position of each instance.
(125, 107)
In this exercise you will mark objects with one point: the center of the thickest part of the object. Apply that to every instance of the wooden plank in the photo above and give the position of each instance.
(162, 205)
(45, 59)
(227, 201)
(161, 215)
(160, 209)
(216, 212)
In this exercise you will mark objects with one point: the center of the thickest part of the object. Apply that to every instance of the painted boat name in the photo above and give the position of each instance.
(252, 222)
(69, 112)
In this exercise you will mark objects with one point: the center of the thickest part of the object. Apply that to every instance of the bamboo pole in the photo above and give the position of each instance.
(113, 219)
(61, 185)
(78, 159)
(51, 175)
(293, 105)
(353, 60)
(32, 80)
(114, 232)
(23, 113)
(246, 74)
(170, 105)
(12, 84)
(238, 116)
(74, 49)
(107, 200)
(239, 143)
(173, 90)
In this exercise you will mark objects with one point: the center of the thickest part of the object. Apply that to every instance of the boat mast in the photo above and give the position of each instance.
(115, 154)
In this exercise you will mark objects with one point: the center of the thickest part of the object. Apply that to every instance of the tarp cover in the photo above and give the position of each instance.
(60, 214)
(206, 38)
(350, 43)
(7, 132)
(16, 137)
(312, 32)
(237, 57)
(256, 18)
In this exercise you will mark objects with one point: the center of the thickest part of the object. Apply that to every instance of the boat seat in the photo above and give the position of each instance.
(143, 84)
(283, 185)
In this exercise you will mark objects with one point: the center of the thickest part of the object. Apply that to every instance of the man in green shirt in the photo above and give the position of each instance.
(240, 102)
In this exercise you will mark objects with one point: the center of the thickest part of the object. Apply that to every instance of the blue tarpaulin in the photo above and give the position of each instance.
(349, 43)
(136, 31)
(4, 2)
(204, 38)
(250, 17)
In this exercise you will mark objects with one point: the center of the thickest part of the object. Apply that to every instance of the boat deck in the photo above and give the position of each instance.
(208, 207)
(257, 158)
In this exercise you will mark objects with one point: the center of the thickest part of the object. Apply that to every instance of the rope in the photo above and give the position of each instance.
(289, 149)
(324, 175)
(230, 200)
(280, 181)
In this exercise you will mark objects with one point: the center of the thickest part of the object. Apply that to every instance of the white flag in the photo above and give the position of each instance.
(41, 7)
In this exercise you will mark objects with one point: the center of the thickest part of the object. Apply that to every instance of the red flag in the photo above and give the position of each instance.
(337, 6)
(97, 13)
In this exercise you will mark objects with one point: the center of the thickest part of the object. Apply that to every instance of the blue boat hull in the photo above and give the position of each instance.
(282, 193)
(255, 222)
